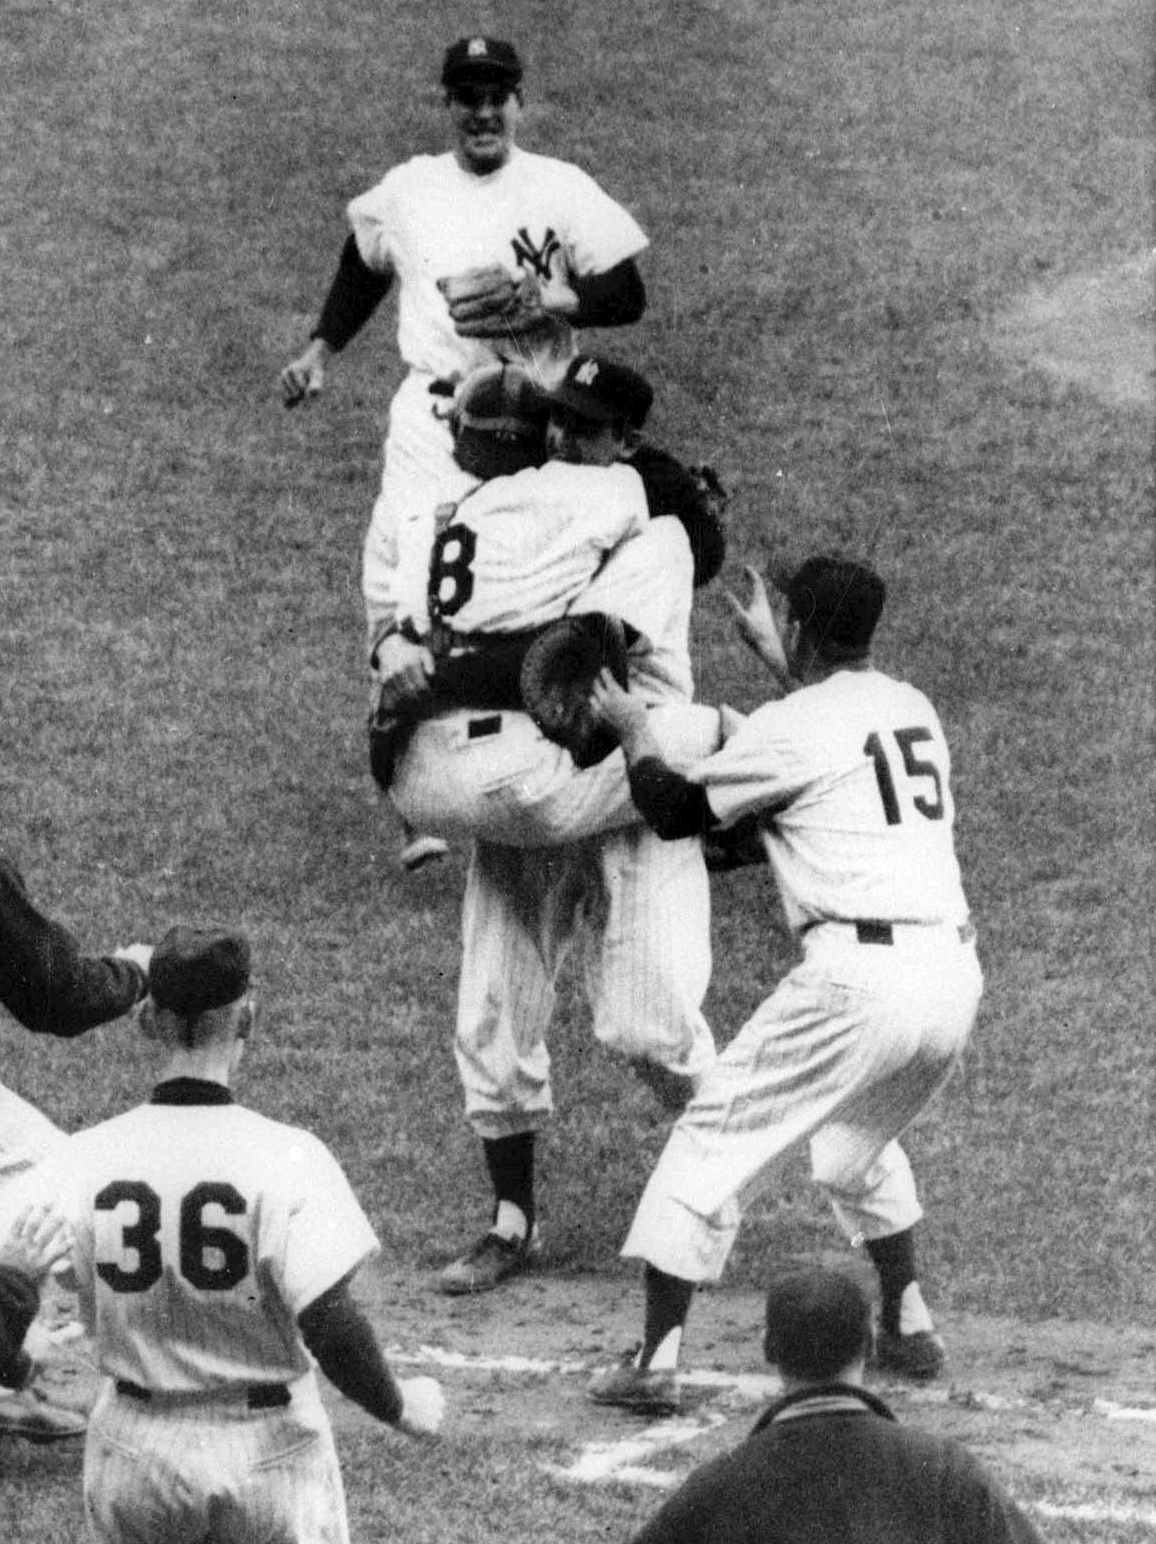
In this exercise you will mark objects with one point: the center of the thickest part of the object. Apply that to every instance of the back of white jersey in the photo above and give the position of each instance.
(519, 550)
(202, 1231)
(855, 772)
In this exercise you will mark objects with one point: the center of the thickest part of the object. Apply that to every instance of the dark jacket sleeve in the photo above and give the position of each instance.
(19, 1304)
(673, 489)
(45, 981)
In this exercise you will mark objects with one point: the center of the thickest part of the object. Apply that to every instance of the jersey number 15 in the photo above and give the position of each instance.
(914, 766)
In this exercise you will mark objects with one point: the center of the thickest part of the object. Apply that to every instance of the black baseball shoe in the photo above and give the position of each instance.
(643, 1390)
(32, 1416)
(489, 1262)
(920, 1357)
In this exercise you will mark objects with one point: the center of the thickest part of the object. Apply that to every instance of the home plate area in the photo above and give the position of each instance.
(1063, 1412)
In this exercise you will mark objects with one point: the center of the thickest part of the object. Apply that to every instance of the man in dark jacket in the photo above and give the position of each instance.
(52, 989)
(828, 1459)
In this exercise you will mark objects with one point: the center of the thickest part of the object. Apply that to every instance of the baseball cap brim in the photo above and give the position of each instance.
(584, 404)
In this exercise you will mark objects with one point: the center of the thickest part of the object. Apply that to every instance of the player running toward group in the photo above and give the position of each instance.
(566, 251)
(850, 775)
(213, 1253)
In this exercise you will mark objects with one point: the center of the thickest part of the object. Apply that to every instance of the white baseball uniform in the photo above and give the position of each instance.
(429, 219)
(202, 1230)
(853, 778)
(647, 901)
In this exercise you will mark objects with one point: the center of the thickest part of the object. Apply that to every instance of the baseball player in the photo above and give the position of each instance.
(828, 1460)
(53, 989)
(563, 253)
(213, 1250)
(585, 534)
(850, 773)
(648, 901)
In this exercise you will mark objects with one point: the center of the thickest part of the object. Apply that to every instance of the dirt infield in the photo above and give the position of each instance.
(1095, 329)
(1063, 1410)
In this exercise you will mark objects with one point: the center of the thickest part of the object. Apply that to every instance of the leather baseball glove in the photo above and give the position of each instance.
(492, 303)
(558, 675)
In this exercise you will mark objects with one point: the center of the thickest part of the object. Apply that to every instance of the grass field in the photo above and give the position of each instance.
(842, 198)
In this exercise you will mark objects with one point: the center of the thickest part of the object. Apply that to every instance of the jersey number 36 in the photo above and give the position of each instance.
(212, 1259)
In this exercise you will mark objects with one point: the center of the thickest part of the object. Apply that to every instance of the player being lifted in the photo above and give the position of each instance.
(566, 483)
(213, 1253)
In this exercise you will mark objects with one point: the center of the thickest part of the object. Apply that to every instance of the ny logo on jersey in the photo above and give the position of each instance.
(537, 258)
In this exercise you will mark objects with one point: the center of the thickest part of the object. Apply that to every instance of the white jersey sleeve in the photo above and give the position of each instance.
(853, 778)
(520, 550)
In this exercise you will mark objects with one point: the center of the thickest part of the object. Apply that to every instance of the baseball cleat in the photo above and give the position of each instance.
(921, 1356)
(645, 1390)
(31, 1416)
(420, 850)
(489, 1262)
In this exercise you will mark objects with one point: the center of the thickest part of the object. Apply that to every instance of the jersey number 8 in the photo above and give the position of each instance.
(211, 1259)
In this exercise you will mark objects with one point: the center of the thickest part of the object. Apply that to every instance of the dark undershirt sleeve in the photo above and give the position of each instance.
(342, 1339)
(354, 295)
(669, 804)
(672, 489)
(611, 299)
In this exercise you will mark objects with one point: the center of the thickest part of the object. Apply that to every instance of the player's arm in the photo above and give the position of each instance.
(670, 804)
(341, 1338)
(354, 295)
(615, 298)
(46, 982)
(674, 489)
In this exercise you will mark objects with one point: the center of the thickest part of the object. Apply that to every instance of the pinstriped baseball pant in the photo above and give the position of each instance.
(642, 908)
(197, 1473)
(843, 1055)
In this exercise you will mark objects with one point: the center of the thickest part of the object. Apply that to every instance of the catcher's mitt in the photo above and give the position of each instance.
(493, 303)
(558, 675)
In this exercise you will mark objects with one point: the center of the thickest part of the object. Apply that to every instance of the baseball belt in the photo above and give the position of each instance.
(258, 1396)
(884, 932)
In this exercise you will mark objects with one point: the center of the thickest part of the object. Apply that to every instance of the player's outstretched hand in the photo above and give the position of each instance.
(304, 377)
(37, 1240)
(423, 1406)
(757, 626)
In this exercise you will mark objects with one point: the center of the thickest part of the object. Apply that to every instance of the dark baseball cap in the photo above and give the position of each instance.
(195, 969)
(480, 58)
(499, 421)
(838, 602)
(603, 391)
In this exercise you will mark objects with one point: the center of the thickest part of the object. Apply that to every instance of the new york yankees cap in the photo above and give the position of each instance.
(195, 969)
(479, 58)
(604, 391)
(838, 601)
